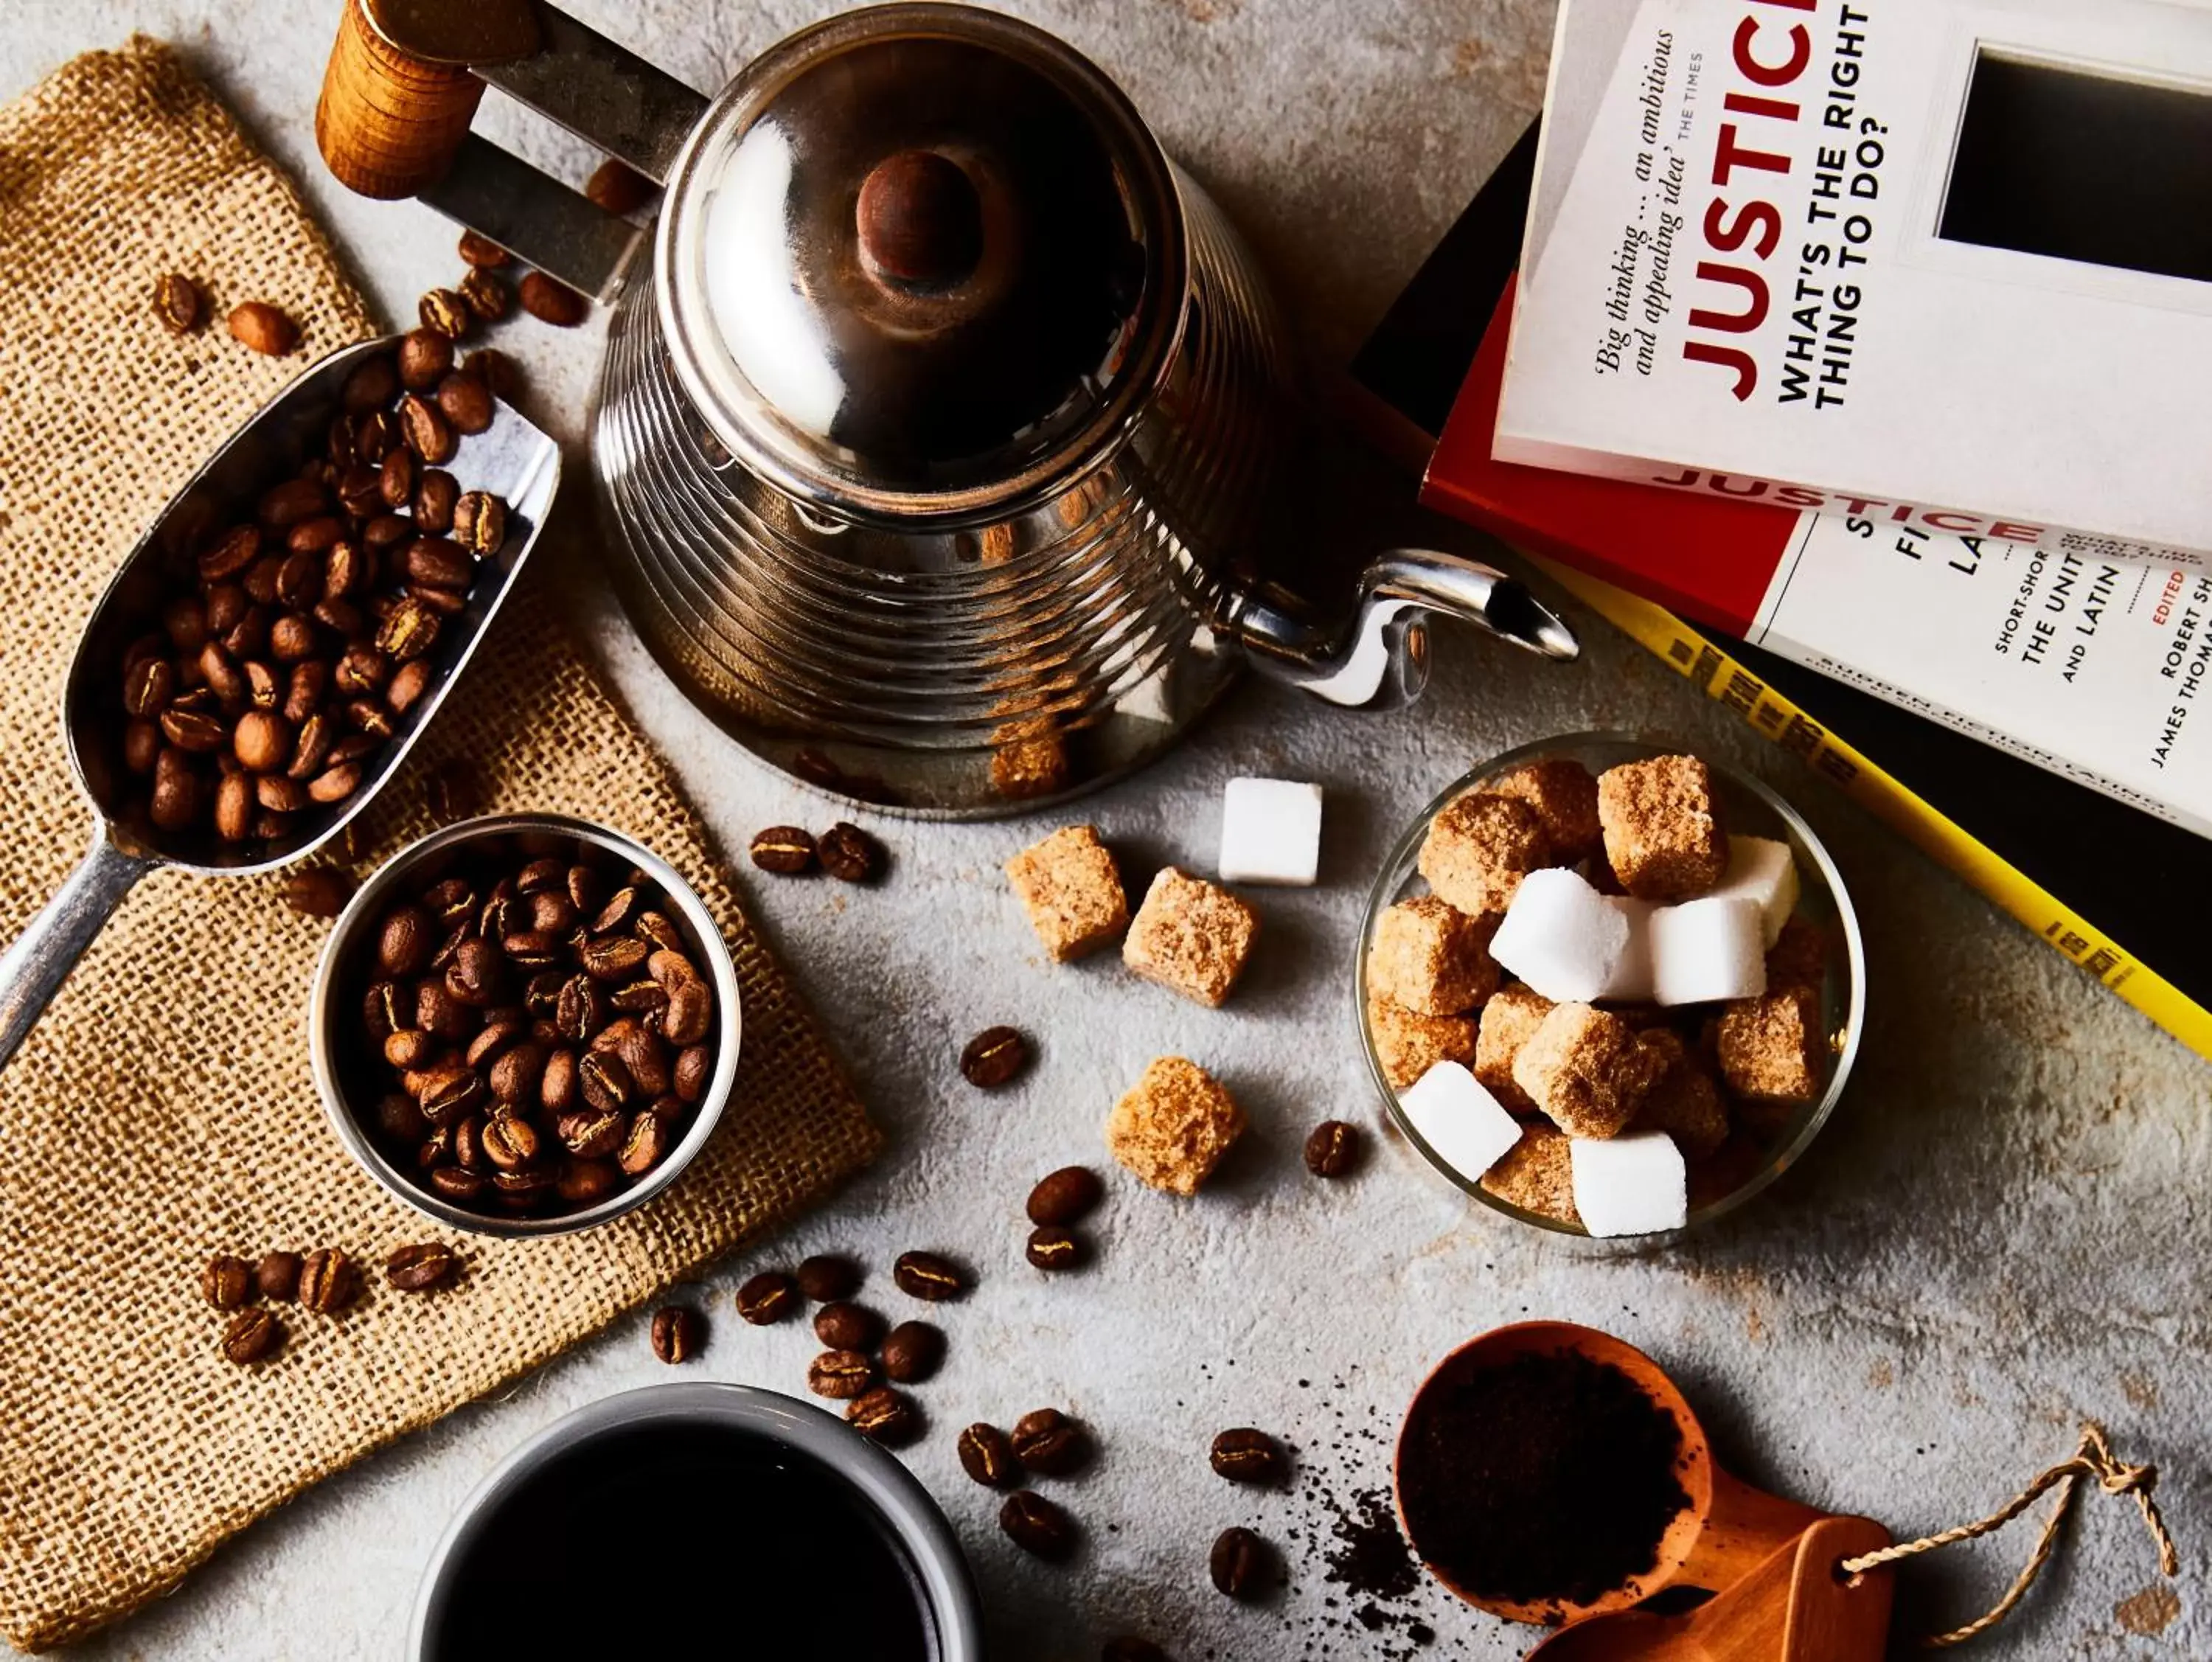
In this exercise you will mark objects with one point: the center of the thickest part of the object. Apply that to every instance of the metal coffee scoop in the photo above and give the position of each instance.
(511, 458)
(1777, 1598)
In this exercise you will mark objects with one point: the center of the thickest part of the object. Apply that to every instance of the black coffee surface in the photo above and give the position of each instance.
(680, 1542)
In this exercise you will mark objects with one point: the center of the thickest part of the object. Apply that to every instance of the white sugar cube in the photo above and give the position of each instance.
(1562, 937)
(1458, 1117)
(1270, 832)
(1631, 976)
(1634, 1184)
(1708, 949)
(1761, 869)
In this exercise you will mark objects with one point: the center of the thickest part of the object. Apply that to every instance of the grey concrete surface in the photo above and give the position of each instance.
(2000, 1234)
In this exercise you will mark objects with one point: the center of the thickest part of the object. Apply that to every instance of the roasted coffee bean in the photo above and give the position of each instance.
(615, 957)
(409, 632)
(679, 1333)
(279, 795)
(480, 523)
(229, 556)
(884, 1415)
(318, 891)
(785, 849)
(670, 969)
(328, 1280)
(386, 531)
(466, 403)
(234, 807)
(491, 1045)
(1064, 1197)
(456, 1184)
(468, 1145)
(485, 296)
(1238, 1563)
(912, 1352)
(177, 303)
(557, 1090)
(404, 945)
(174, 802)
(150, 685)
(840, 1375)
(644, 998)
(1053, 1248)
(826, 1278)
(372, 386)
(260, 327)
(926, 1276)
(767, 1297)
(590, 1134)
(454, 788)
(605, 1081)
(1049, 1444)
(441, 1015)
(261, 740)
(510, 1143)
(482, 251)
(659, 930)
(425, 430)
(291, 638)
(226, 1283)
(1244, 1455)
(312, 747)
(299, 582)
(420, 1267)
(277, 1275)
(426, 357)
(408, 1047)
(582, 1009)
(448, 1094)
(444, 311)
(1332, 1148)
(252, 1336)
(644, 1146)
(1036, 1526)
(843, 1326)
(994, 1056)
(691, 1012)
(554, 303)
(986, 1456)
(618, 188)
(1130, 1648)
(849, 853)
(141, 747)
(584, 1181)
(694, 1071)
(435, 499)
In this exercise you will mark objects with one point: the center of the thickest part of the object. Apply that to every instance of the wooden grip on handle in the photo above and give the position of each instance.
(389, 125)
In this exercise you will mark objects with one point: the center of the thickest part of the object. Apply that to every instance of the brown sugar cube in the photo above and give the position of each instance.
(1564, 794)
(1409, 1044)
(1684, 1102)
(1770, 1047)
(1429, 956)
(1479, 848)
(1028, 761)
(1537, 1174)
(1587, 1069)
(1799, 958)
(1191, 936)
(1663, 836)
(1070, 889)
(1510, 1021)
(1174, 1126)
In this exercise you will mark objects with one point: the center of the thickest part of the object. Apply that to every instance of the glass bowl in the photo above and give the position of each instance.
(1738, 1172)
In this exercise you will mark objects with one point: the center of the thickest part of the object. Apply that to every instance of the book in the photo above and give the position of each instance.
(1935, 263)
(2093, 878)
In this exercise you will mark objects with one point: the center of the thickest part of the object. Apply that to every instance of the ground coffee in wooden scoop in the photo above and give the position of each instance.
(1548, 1477)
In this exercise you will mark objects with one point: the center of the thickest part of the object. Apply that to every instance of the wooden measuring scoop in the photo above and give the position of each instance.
(1729, 1536)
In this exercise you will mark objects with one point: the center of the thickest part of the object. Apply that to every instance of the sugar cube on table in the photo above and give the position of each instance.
(1458, 1117)
(1270, 832)
(1562, 937)
(1761, 869)
(1634, 1184)
(1705, 950)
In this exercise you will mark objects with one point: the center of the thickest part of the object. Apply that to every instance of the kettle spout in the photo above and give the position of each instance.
(1379, 657)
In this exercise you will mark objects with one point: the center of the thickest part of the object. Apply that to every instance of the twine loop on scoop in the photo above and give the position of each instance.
(2093, 1458)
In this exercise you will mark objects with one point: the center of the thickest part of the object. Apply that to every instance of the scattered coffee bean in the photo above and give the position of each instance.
(1051, 1248)
(884, 1415)
(1050, 1443)
(426, 357)
(617, 188)
(482, 252)
(1238, 1563)
(785, 849)
(766, 1298)
(986, 1456)
(488, 299)
(318, 891)
(253, 1334)
(843, 1326)
(825, 1278)
(993, 1057)
(445, 312)
(419, 1267)
(1036, 1526)
(1247, 1456)
(553, 303)
(260, 327)
(912, 1352)
(328, 1280)
(277, 1275)
(226, 1283)
(678, 1333)
(1064, 1196)
(849, 853)
(1129, 1648)
(1332, 1148)
(926, 1276)
(177, 303)
(841, 1375)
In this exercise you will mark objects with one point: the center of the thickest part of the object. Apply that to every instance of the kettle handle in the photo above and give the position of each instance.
(1378, 656)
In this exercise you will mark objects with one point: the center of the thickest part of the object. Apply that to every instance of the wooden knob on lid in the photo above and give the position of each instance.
(921, 221)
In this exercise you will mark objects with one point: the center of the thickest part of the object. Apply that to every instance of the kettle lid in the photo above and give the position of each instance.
(921, 263)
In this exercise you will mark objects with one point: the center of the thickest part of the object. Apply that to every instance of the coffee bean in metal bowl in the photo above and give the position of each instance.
(525, 1025)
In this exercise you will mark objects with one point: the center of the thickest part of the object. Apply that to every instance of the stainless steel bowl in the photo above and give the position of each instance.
(351, 1083)
(924, 1539)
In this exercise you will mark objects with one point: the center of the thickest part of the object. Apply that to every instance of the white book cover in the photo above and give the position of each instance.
(1939, 264)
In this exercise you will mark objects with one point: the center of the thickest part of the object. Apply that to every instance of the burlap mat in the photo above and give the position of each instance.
(162, 1112)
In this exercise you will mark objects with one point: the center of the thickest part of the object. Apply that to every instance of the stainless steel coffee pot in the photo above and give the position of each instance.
(939, 431)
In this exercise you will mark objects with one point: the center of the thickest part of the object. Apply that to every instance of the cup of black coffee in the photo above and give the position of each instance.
(724, 1516)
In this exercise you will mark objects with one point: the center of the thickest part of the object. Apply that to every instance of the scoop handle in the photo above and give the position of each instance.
(1744, 1528)
(33, 970)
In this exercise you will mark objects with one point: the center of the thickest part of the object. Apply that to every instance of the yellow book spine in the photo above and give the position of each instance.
(1691, 656)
